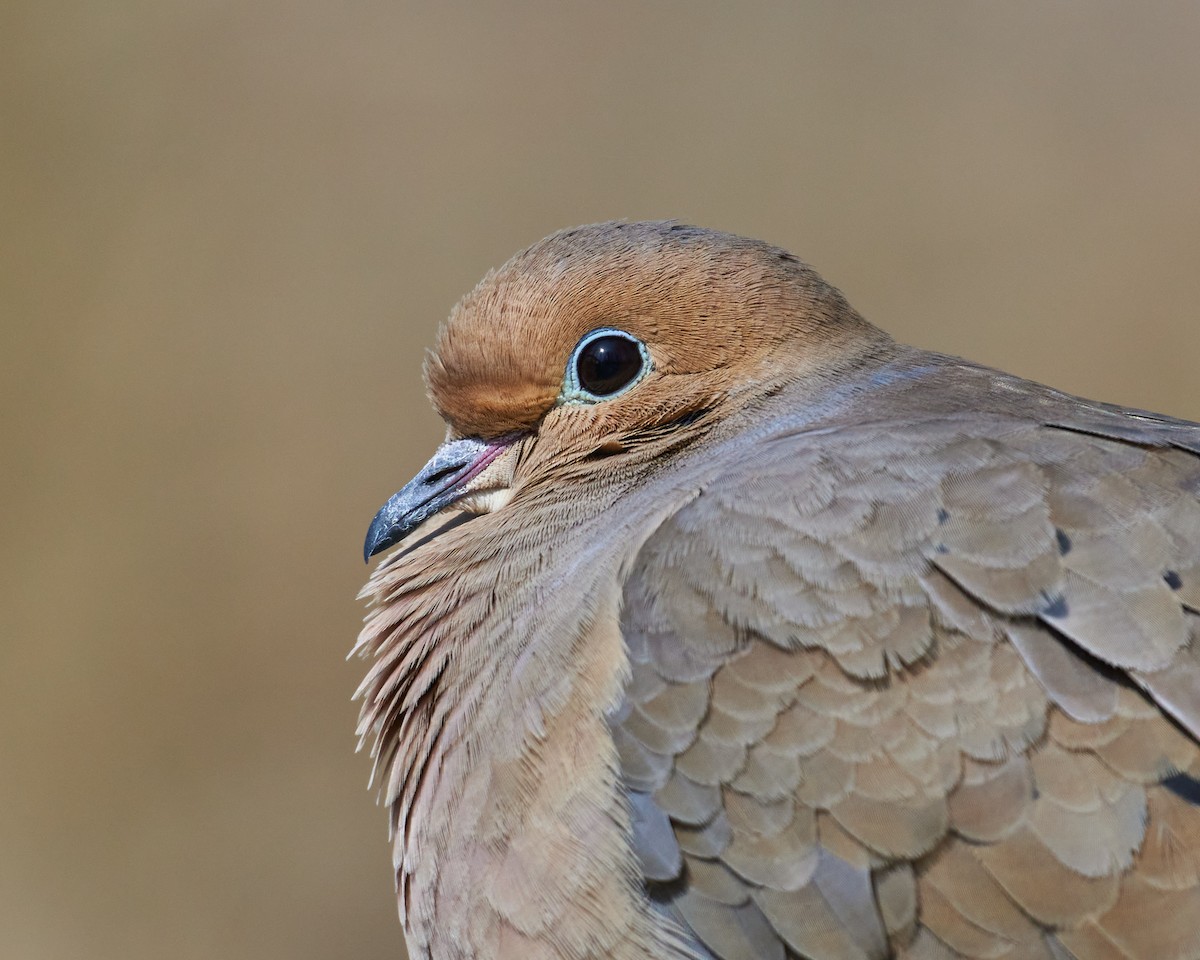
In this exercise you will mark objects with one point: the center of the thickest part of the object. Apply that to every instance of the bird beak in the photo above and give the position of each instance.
(454, 472)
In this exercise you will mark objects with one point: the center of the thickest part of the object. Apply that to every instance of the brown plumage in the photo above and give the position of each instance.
(723, 626)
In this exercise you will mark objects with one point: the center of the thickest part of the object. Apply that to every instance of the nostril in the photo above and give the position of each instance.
(442, 474)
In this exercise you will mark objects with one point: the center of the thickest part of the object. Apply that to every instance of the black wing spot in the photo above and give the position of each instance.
(1184, 786)
(943, 514)
(1056, 607)
(1064, 541)
(1174, 580)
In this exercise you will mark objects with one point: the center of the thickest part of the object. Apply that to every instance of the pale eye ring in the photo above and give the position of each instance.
(603, 365)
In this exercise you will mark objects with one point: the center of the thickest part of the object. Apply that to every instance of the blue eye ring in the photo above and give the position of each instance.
(602, 366)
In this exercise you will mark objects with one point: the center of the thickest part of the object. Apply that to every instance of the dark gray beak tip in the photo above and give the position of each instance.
(441, 482)
(382, 534)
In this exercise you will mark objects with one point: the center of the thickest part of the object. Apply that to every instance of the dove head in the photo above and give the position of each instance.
(620, 341)
(709, 313)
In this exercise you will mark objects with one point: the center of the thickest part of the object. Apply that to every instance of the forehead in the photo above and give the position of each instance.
(611, 271)
(500, 357)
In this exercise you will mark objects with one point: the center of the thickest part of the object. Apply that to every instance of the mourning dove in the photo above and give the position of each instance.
(723, 626)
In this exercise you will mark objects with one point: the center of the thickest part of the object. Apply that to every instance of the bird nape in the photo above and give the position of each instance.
(724, 626)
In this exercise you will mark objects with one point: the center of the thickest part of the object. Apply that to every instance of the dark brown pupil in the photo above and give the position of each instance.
(607, 364)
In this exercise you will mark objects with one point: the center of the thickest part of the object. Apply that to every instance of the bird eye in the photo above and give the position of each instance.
(605, 363)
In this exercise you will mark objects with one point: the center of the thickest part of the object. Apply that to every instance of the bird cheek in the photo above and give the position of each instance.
(493, 481)
(487, 501)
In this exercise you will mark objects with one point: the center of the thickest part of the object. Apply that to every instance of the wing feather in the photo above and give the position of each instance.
(917, 686)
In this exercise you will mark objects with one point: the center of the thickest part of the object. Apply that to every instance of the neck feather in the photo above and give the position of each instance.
(498, 657)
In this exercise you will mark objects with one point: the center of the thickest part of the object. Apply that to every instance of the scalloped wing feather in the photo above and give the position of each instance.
(927, 685)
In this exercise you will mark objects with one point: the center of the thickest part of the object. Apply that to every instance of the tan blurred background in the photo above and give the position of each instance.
(227, 231)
